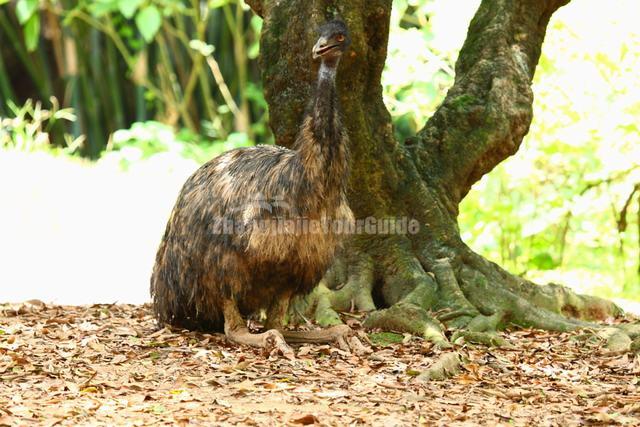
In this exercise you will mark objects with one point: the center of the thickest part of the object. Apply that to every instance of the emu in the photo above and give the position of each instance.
(206, 278)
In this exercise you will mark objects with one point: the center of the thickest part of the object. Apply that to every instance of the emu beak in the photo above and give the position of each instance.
(318, 48)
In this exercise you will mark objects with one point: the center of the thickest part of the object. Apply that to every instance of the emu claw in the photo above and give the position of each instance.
(350, 341)
(275, 343)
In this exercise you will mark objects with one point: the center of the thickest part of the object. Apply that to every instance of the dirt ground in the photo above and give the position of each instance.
(110, 365)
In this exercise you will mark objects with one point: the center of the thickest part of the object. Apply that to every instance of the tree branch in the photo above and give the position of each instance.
(488, 111)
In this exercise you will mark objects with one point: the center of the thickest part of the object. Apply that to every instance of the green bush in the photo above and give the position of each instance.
(145, 140)
(30, 128)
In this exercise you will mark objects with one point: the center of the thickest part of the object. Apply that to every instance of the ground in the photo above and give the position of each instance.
(111, 365)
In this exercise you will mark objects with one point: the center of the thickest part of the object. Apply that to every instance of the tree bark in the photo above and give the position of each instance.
(420, 283)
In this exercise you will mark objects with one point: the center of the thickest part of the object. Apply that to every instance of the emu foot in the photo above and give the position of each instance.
(272, 341)
(343, 336)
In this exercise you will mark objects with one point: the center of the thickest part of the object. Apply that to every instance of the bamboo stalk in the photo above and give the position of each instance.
(47, 81)
(115, 89)
(208, 101)
(72, 94)
(110, 31)
(235, 23)
(174, 88)
(186, 95)
(24, 57)
(241, 62)
(140, 72)
(222, 85)
(174, 34)
(5, 87)
(179, 33)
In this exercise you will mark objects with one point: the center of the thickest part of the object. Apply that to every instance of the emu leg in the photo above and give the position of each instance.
(342, 335)
(277, 312)
(237, 332)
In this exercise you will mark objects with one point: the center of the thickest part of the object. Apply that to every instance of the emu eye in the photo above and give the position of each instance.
(340, 38)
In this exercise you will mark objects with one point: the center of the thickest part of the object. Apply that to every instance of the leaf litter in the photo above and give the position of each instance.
(111, 365)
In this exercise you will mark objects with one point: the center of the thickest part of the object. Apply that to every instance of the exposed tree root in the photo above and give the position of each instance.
(489, 339)
(451, 295)
(355, 293)
(447, 366)
(616, 340)
(427, 295)
(552, 297)
(632, 329)
(408, 317)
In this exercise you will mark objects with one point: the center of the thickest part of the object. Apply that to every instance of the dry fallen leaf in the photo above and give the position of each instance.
(111, 365)
(305, 420)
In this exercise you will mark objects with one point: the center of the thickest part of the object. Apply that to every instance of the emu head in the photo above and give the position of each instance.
(333, 41)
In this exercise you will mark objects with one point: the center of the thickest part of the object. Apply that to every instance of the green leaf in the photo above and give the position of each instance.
(254, 51)
(543, 261)
(32, 32)
(128, 8)
(214, 4)
(25, 10)
(148, 21)
(100, 8)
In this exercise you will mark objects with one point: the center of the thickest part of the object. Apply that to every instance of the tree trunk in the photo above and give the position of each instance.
(420, 282)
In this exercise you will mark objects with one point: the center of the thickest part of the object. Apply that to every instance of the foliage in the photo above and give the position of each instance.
(565, 208)
(120, 61)
(423, 48)
(144, 140)
(31, 126)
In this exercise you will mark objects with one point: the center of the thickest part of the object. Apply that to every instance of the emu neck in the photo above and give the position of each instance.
(323, 141)
(325, 104)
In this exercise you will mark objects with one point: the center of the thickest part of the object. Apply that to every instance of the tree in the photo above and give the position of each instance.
(417, 283)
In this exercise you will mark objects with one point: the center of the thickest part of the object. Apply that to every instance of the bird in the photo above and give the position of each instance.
(233, 245)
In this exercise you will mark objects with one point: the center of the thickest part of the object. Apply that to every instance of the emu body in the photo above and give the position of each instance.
(217, 261)
(199, 263)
